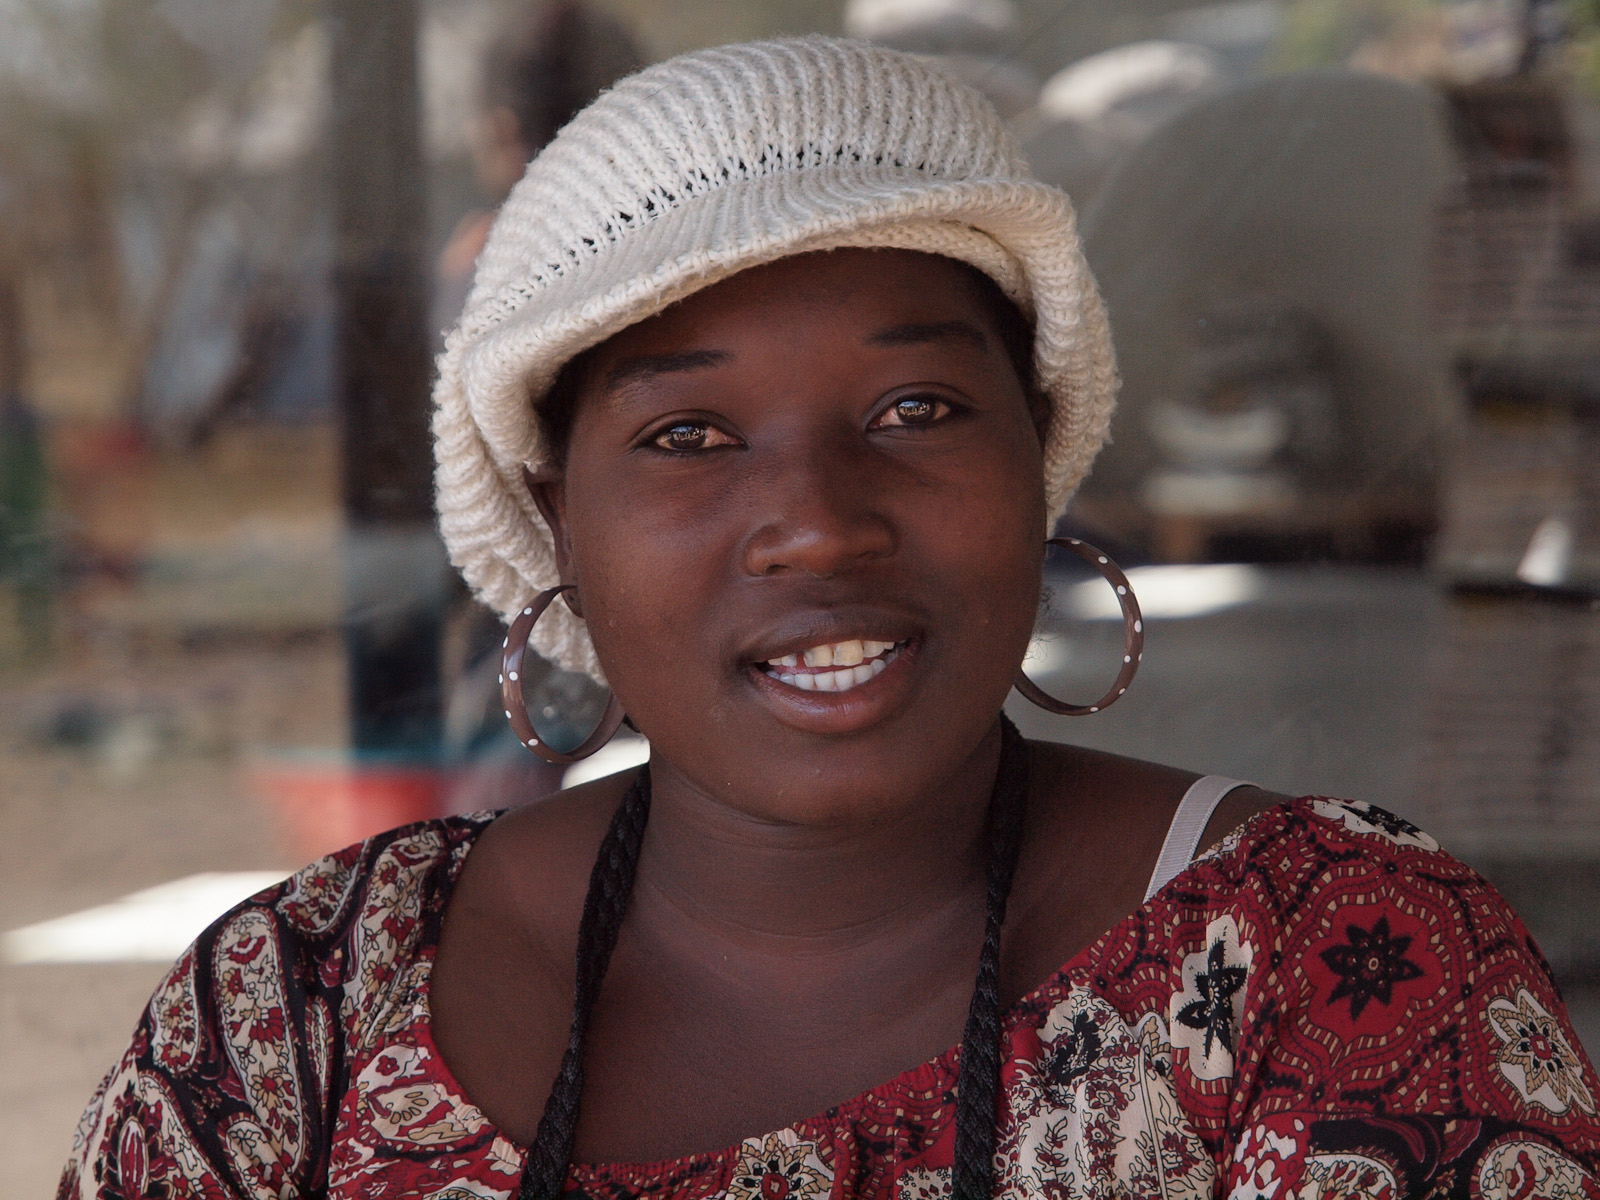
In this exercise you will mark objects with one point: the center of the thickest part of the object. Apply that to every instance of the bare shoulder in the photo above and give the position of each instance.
(530, 867)
(1138, 797)
(500, 992)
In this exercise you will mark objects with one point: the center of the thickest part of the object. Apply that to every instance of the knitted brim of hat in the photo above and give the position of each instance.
(517, 333)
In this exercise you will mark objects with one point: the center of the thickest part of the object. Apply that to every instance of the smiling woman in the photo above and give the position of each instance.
(778, 370)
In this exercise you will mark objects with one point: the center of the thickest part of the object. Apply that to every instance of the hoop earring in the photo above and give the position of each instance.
(1133, 636)
(516, 647)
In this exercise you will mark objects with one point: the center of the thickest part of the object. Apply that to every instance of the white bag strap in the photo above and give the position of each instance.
(1188, 824)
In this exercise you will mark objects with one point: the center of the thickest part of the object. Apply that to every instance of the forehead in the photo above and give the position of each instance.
(857, 291)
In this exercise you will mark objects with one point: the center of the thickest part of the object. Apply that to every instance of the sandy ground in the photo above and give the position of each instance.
(159, 794)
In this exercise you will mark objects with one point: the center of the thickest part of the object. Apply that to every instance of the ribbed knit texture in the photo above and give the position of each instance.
(700, 167)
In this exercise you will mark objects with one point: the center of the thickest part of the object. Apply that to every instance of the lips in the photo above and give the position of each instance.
(833, 666)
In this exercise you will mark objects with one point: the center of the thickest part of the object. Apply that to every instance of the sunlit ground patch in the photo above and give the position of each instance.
(152, 925)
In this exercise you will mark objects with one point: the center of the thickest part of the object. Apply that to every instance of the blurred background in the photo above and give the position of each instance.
(1352, 254)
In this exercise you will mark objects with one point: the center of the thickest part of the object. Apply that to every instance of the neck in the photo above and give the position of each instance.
(812, 889)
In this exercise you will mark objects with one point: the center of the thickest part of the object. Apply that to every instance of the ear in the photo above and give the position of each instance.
(547, 486)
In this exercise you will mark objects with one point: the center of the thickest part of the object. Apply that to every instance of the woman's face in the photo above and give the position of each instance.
(803, 510)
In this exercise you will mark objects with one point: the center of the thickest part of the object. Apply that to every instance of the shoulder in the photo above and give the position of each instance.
(1328, 997)
(1088, 806)
(234, 1058)
(530, 867)
(327, 937)
(1374, 969)
(519, 898)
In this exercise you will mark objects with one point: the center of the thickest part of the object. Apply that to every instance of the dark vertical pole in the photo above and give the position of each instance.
(395, 566)
(25, 552)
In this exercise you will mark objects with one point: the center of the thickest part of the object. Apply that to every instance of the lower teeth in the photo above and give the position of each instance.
(840, 680)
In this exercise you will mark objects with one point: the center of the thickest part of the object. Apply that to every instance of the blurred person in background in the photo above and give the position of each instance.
(779, 367)
(548, 61)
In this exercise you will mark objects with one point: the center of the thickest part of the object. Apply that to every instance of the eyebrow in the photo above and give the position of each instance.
(931, 331)
(647, 366)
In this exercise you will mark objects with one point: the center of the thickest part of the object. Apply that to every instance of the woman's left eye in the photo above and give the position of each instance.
(921, 409)
(685, 437)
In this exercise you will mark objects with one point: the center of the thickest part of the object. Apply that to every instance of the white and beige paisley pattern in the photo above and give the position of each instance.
(255, 1157)
(1518, 1169)
(386, 974)
(318, 1036)
(1095, 1114)
(254, 1019)
(1347, 1177)
(1535, 1056)
(924, 1183)
(779, 1166)
(1358, 816)
(175, 1017)
(177, 1138)
(315, 897)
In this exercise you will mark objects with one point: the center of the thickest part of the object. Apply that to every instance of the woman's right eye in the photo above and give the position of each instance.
(685, 437)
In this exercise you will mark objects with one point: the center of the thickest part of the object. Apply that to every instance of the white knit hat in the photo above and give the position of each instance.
(700, 167)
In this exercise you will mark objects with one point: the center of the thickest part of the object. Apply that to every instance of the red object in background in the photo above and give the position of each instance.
(325, 806)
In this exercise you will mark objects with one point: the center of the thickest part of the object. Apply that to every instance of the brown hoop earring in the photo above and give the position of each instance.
(1133, 636)
(511, 657)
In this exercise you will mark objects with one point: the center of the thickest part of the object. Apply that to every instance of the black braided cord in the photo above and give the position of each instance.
(978, 1078)
(610, 885)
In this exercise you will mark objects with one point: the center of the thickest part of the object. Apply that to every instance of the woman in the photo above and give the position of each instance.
(781, 366)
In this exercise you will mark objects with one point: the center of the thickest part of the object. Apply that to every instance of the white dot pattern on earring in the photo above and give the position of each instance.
(1133, 626)
(513, 677)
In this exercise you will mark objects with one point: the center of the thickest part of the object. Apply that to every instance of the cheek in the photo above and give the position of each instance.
(648, 567)
(991, 565)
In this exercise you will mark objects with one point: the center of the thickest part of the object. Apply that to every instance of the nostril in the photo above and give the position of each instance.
(821, 554)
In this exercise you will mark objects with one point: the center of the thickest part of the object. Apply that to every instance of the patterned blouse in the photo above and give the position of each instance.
(1325, 1005)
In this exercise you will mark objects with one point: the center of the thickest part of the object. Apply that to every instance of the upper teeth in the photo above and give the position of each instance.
(835, 667)
(834, 654)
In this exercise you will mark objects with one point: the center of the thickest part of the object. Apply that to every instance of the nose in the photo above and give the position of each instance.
(818, 514)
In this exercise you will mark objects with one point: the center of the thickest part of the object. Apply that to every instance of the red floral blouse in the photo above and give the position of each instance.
(1325, 1005)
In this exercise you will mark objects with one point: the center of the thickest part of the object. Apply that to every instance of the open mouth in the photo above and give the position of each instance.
(834, 666)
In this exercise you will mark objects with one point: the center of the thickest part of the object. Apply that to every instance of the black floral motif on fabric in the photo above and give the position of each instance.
(1212, 1014)
(1394, 826)
(1369, 964)
(1070, 1056)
